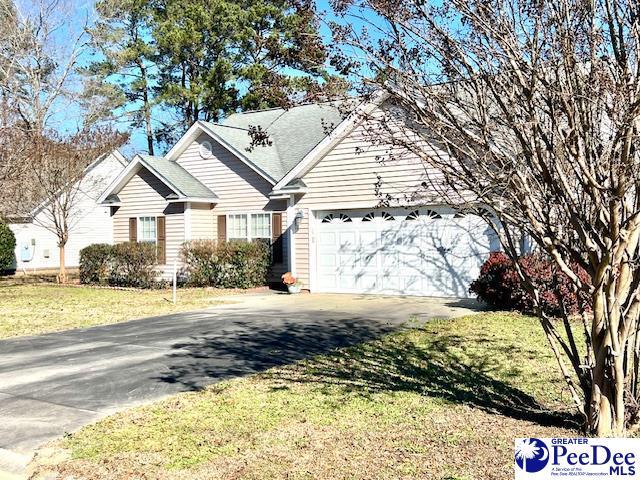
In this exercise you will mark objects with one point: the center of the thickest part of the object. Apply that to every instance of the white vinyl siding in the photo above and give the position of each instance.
(302, 248)
(91, 223)
(202, 221)
(239, 189)
(348, 174)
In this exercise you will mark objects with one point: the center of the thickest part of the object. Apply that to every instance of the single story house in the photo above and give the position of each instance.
(37, 245)
(313, 187)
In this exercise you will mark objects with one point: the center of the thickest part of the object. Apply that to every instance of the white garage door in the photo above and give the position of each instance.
(428, 251)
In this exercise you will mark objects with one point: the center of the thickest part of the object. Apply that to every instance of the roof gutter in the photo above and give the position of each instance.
(193, 199)
(285, 193)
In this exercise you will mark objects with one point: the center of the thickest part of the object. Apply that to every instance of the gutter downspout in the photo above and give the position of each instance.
(291, 223)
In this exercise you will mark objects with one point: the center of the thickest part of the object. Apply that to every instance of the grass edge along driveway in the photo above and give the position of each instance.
(34, 309)
(444, 401)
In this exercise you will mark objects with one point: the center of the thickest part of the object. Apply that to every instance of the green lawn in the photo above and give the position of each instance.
(440, 402)
(32, 309)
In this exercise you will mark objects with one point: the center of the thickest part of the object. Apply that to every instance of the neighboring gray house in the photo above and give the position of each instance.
(312, 191)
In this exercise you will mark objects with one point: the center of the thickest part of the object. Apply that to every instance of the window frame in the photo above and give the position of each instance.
(140, 229)
(249, 237)
(206, 149)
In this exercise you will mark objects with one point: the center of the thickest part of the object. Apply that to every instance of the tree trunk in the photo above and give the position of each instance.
(147, 114)
(62, 275)
(146, 106)
(606, 408)
(606, 403)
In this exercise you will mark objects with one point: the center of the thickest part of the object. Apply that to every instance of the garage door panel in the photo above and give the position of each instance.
(391, 284)
(391, 238)
(368, 261)
(347, 281)
(327, 260)
(348, 261)
(327, 239)
(411, 262)
(368, 283)
(347, 241)
(328, 281)
(413, 284)
(400, 253)
(369, 239)
(390, 260)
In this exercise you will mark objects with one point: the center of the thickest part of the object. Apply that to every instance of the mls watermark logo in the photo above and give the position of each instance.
(577, 458)
(532, 455)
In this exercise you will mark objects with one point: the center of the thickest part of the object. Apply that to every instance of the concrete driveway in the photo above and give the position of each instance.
(55, 383)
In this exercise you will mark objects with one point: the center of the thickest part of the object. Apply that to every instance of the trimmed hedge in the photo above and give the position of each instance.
(129, 264)
(134, 265)
(95, 263)
(7, 248)
(227, 265)
(500, 287)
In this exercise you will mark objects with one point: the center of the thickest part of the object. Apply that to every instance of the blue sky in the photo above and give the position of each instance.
(68, 119)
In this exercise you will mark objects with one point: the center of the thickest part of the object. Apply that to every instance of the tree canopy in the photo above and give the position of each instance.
(168, 63)
(528, 114)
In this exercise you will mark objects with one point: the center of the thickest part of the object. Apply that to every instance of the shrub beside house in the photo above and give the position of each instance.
(227, 265)
(206, 263)
(129, 264)
(7, 247)
(499, 285)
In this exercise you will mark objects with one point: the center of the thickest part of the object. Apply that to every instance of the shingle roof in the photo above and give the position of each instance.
(293, 133)
(177, 176)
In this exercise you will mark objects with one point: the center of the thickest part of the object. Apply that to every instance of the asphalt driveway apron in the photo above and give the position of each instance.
(55, 383)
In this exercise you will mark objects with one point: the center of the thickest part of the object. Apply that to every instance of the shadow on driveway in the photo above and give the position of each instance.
(243, 348)
(435, 369)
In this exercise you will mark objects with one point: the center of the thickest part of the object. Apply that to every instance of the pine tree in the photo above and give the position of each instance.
(124, 72)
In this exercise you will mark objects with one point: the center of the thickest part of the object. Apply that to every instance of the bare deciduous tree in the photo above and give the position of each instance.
(40, 48)
(40, 96)
(62, 175)
(532, 109)
(39, 51)
(12, 137)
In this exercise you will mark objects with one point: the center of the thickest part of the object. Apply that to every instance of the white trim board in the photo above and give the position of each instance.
(133, 168)
(187, 221)
(338, 133)
(313, 251)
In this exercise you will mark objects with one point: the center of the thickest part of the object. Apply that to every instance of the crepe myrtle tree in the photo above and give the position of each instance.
(530, 108)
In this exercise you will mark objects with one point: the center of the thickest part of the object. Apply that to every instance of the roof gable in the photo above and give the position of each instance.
(34, 209)
(177, 179)
(181, 180)
(341, 130)
(292, 134)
